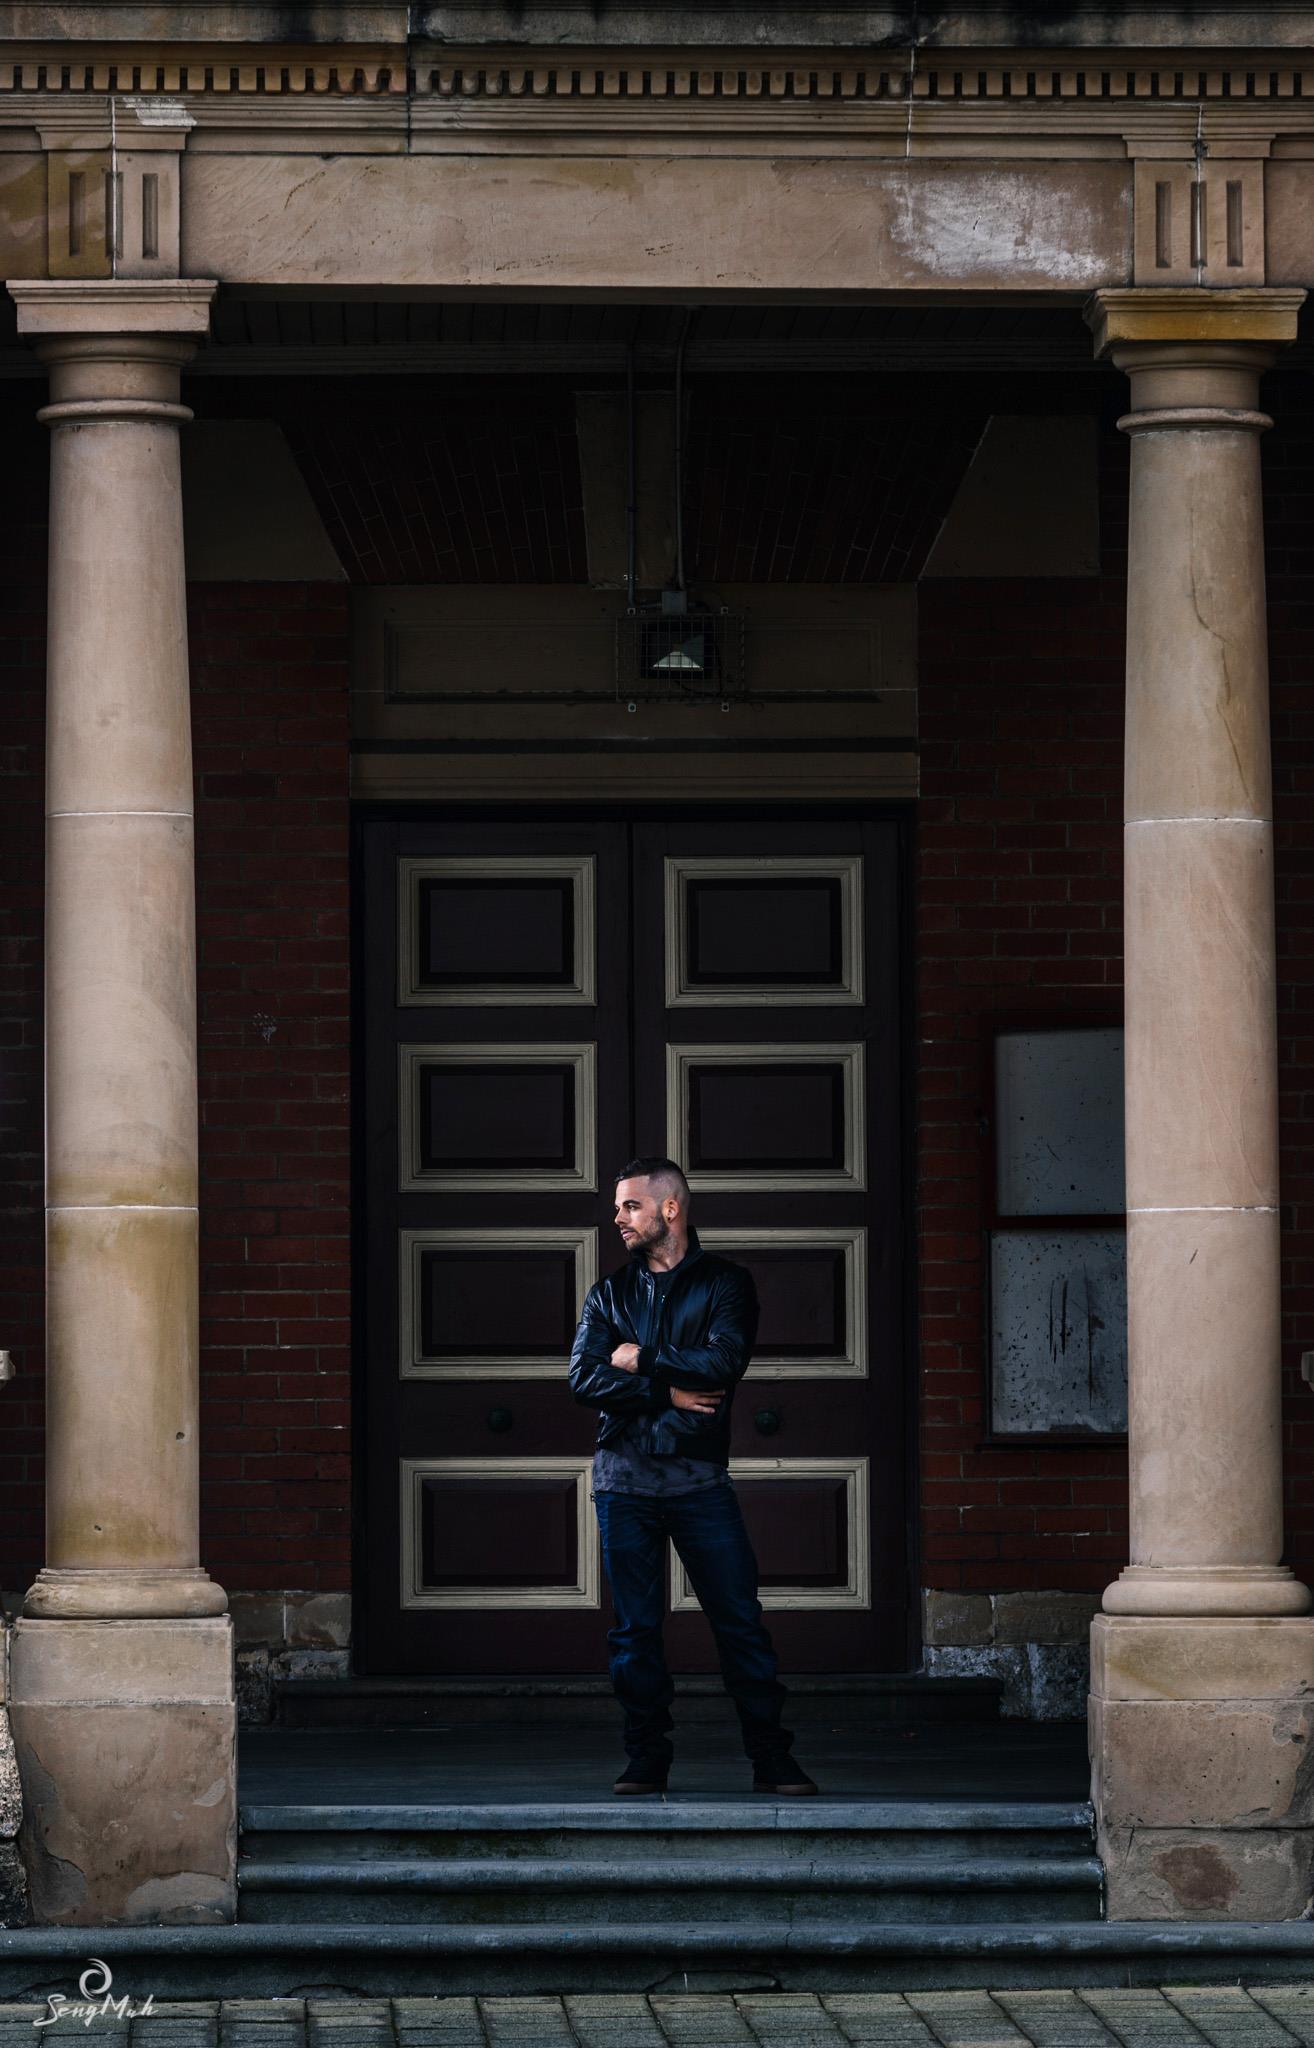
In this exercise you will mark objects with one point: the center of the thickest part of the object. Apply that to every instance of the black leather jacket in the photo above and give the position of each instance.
(700, 1334)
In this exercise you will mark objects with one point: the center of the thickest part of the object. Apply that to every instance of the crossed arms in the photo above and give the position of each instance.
(633, 1379)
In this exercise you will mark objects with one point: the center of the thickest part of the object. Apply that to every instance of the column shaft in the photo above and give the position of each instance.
(122, 1495)
(1202, 1188)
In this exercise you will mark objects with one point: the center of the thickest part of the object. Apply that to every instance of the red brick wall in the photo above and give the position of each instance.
(270, 712)
(1019, 917)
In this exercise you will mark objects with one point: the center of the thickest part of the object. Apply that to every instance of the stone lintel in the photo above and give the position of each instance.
(1120, 317)
(52, 307)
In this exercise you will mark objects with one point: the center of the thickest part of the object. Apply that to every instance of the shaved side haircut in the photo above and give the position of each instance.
(666, 1176)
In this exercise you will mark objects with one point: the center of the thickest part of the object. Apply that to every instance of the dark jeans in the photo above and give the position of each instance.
(707, 1529)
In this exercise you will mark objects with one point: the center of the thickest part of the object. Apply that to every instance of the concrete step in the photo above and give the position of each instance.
(861, 1889)
(254, 1961)
(815, 1700)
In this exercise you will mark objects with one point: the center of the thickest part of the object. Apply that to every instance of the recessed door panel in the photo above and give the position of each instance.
(543, 999)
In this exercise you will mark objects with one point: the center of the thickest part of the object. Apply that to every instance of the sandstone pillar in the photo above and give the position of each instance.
(121, 1680)
(1202, 1677)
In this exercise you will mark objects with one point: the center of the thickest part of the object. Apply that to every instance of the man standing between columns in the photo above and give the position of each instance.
(124, 1648)
(1202, 1677)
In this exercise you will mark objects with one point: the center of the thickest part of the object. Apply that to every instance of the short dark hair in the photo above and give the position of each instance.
(654, 1168)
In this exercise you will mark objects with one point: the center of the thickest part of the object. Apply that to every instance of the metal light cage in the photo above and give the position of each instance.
(679, 655)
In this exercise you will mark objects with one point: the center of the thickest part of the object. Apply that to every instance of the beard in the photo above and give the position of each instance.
(658, 1234)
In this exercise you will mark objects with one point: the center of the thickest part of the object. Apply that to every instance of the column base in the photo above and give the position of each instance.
(1202, 1754)
(66, 1593)
(1245, 1590)
(126, 1736)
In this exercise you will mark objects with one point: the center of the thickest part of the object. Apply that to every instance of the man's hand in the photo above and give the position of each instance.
(698, 1402)
(625, 1358)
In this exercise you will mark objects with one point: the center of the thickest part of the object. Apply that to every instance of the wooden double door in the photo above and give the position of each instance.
(542, 1000)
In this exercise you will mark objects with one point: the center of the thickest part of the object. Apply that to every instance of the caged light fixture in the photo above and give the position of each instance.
(677, 647)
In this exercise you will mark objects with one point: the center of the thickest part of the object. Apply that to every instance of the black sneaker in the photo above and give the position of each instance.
(643, 1774)
(780, 1774)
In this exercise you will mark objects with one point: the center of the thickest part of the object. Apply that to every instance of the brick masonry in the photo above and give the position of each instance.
(270, 696)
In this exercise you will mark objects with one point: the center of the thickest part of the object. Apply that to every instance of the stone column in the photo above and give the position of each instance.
(1202, 1678)
(124, 1649)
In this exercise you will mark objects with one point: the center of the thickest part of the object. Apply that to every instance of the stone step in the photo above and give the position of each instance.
(791, 1892)
(335, 1958)
(815, 1700)
(758, 1835)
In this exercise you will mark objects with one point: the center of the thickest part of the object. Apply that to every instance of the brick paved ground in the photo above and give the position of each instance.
(1219, 2016)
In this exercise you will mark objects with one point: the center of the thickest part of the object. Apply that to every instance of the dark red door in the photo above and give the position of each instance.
(541, 1000)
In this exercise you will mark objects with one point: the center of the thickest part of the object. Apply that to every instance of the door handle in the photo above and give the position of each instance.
(767, 1421)
(500, 1420)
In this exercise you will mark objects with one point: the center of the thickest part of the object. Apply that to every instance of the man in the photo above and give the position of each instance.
(660, 1346)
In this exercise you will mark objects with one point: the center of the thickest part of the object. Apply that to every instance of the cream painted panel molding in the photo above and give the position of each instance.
(586, 1590)
(856, 1591)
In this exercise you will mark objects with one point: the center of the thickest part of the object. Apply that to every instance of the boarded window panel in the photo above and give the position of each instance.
(476, 933)
(765, 933)
(1058, 1332)
(491, 1304)
(799, 1530)
(517, 1530)
(762, 1116)
(497, 1116)
(1059, 1123)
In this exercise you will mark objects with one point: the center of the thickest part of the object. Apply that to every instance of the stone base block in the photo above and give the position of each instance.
(1202, 1753)
(126, 1735)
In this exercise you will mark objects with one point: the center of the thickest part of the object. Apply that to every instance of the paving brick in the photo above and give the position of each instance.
(790, 2019)
(878, 2019)
(1228, 2016)
(1143, 2019)
(438, 2023)
(695, 2021)
(965, 2019)
(1055, 2019)
(525, 2023)
(349, 2023)
(1290, 2004)
(613, 2020)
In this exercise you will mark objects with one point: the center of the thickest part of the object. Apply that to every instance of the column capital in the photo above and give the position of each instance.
(114, 347)
(1249, 316)
(69, 309)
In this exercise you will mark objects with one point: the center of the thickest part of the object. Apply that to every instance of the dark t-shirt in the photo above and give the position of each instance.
(623, 1468)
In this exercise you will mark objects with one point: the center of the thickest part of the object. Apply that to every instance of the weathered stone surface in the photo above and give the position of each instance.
(1044, 1617)
(1197, 1657)
(1009, 1666)
(11, 1792)
(1059, 1675)
(255, 1692)
(894, 224)
(1206, 1873)
(292, 1620)
(154, 1838)
(957, 1618)
(1209, 1764)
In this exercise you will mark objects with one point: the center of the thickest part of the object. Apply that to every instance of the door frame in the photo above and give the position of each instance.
(902, 816)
